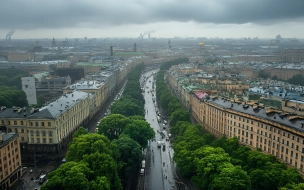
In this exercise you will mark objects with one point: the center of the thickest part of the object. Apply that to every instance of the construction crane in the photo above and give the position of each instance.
(9, 35)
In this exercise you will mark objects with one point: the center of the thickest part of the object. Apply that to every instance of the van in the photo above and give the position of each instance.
(142, 171)
(42, 178)
(143, 164)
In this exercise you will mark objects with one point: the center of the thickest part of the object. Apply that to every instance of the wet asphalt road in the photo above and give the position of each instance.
(160, 172)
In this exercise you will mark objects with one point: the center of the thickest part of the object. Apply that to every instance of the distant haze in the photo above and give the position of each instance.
(169, 18)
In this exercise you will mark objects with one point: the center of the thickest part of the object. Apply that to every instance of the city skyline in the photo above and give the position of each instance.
(169, 18)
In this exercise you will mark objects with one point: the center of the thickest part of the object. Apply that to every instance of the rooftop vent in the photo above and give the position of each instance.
(302, 125)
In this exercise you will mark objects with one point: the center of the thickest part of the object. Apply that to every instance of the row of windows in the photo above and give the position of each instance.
(43, 140)
(37, 124)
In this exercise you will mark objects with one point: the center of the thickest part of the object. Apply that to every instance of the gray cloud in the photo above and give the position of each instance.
(34, 14)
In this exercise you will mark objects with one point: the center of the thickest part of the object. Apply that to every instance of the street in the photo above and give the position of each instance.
(159, 171)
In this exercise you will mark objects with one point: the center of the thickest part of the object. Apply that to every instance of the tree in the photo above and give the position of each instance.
(130, 157)
(80, 131)
(179, 115)
(174, 105)
(113, 125)
(210, 163)
(103, 164)
(71, 175)
(88, 144)
(231, 177)
(140, 131)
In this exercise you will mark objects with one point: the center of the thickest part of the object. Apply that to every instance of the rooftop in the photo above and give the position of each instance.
(284, 119)
(6, 138)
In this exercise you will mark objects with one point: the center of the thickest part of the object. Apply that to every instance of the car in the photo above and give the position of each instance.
(165, 122)
(63, 160)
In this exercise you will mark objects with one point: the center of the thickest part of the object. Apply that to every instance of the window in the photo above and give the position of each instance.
(282, 141)
(49, 124)
(44, 140)
(288, 135)
(291, 145)
(36, 124)
(21, 122)
(251, 129)
(32, 132)
(43, 133)
(37, 133)
(42, 124)
(287, 143)
(16, 130)
(22, 130)
(32, 140)
(22, 138)
(297, 147)
(50, 140)
(38, 140)
(15, 122)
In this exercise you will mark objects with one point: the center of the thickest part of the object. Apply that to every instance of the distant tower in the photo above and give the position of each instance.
(141, 36)
(53, 43)
(135, 47)
(85, 39)
(111, 51)
(149, 36)
(169, 44)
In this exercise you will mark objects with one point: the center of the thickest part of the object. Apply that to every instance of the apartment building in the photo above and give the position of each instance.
(276, 132)
(291, 55)
(98, 88)
(10, 160)
(49, 128)
(273, 131)
(21, 56)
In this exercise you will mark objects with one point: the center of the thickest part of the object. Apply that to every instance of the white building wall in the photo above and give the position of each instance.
(29, 87)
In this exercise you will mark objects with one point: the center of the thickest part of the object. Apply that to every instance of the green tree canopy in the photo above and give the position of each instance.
(140, 131)
(113, 125)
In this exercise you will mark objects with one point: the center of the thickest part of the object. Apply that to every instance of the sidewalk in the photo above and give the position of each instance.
(28, 177)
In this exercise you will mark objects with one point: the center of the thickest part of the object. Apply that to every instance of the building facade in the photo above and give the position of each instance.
(276, 132)
(10, 160)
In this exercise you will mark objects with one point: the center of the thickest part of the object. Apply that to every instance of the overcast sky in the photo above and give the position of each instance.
(169, 18)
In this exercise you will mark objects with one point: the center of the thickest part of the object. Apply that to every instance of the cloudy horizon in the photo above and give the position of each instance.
(169, 18)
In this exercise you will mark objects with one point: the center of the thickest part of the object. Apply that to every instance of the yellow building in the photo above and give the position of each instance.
(276, 132)
(49, 128)
(99, 89)
(21, 57)
(10, 160)
(270, 130)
